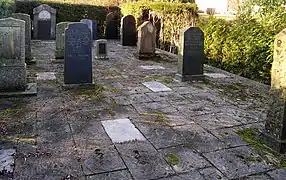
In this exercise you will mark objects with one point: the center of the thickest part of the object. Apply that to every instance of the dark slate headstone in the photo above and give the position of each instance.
(275, 126)
(89, 23)
(191, 54)
(78, 54)
(128, 31)
(94, 30)
(111, 30)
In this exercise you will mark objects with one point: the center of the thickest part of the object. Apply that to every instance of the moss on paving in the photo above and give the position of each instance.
(159, 118)
(250, 136)
(173, 159)
(95, 93)
(160, 78)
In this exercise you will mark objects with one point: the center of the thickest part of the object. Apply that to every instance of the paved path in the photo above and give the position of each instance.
(123, 130)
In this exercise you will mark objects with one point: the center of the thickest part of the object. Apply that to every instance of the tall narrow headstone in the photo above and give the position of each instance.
(44, 22)
(128, 31)
(27, 19)
(191, 54)
(94, 30)
(60, 39)
(89, 23)
(146, 44)
(78, 54)
(12, 55)
(111, 29)
(275, 127)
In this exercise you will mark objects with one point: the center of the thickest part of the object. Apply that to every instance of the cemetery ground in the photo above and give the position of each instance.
(121, 129)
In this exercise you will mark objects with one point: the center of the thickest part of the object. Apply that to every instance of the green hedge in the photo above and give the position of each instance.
(173, 16)
(69, 12)
(6, 8)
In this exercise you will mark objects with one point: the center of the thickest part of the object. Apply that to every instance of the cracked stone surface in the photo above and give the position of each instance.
(187, 129)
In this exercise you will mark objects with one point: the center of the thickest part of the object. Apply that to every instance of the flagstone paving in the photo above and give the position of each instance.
(137, 123)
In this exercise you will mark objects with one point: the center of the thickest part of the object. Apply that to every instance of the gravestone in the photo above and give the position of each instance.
(89, 23)
(27, 19)
(44, 22)
(191, 54)
(94, 30)
(78, 54)
(275, 126)
(101, 49)
(60, 39)
(111, 29)
(128, 31)
(146, 44)
(12, 55)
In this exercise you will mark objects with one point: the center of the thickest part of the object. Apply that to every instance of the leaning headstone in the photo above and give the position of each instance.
(89, 23)
(94, 30)
(101, 49)
(60, 39)
(275, 127)
(128, 31)
(146, 44)
(27, 19)
(13, 77)
(44, 22)
(111, 29)
(78, 54)
(191, 54)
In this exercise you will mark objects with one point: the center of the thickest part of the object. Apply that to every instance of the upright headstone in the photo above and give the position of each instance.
(27, 19)
(78, 54)
(101, 49)
(89, 23)
(94, 30)
(12, 55)
(60, 39)
(275, 127)
(128, 31)
(191, 54)
(146, 44)
(111, 29)
(44, 22)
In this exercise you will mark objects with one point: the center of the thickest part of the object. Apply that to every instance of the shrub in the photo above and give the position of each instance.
(6, 8)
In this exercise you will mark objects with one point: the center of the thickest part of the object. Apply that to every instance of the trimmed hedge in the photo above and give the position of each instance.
(6, 8)
(69, 12)
(171, 19)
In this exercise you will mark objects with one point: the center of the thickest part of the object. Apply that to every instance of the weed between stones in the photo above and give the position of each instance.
(173, 159)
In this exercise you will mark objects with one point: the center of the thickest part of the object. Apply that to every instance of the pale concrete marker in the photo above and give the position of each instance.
(152, 67)
(46, 76)
(7, 160)
(216, 75)
(122, 130)
(156, 86)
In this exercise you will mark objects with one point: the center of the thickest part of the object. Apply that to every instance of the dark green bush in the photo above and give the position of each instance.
(69, 12)
(6, 8)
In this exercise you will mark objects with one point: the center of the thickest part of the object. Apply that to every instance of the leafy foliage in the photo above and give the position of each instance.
(6, 8)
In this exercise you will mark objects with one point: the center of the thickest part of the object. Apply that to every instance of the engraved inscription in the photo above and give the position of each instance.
(76, 41)
(10, 42)
(44, 15)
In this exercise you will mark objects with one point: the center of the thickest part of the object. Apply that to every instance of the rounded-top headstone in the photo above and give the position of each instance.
(44, 7)
(128, 31)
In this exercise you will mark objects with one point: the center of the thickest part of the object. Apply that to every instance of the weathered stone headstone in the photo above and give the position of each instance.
(44, 22)
(191, 54)
(89, 23)
(101, 49)
(275, 127)
(146, 44)
(111, 30)
(60, 39)
(12, 55)
(78, 54)
(128, 31)
(27, 19)
(94, 30)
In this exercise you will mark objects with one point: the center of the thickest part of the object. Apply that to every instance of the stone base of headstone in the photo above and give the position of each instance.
(31, 61)
(60, 61)
(146, 56)
(102, 57)
(78, 86)
(184, 78)
(30, 90)
(274, 134)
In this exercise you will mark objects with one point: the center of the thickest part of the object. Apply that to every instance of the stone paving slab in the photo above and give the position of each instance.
(122, 175)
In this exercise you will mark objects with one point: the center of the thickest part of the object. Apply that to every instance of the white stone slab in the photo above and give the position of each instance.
(152, 67)
(216, 75)
(46, 76)
(156, 86)
(7, 160)
(122, 130)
